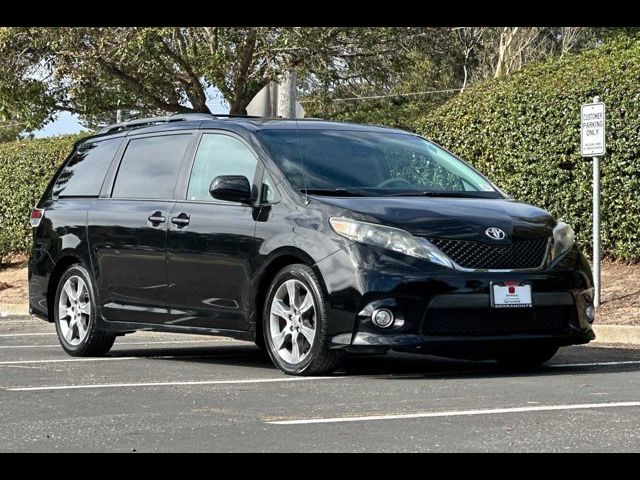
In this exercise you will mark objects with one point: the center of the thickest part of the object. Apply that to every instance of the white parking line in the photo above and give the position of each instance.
(106, 359)
(117, 343)
(170, 384)
(595, 364)
(65, 360)
(26, 334)
(456, 413)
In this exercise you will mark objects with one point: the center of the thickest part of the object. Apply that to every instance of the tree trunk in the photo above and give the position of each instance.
(238, 104)
(504, 51)
(464, 83)
(201, 109)
(238, 107)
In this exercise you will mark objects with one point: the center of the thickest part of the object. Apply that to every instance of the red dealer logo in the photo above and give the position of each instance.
(511, 287)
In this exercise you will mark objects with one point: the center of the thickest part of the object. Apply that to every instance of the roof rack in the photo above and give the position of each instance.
(178, 117)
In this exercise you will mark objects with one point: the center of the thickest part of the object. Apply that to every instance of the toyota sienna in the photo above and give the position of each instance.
(311, 238)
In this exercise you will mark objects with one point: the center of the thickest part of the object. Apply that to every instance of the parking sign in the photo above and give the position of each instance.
(592, 130)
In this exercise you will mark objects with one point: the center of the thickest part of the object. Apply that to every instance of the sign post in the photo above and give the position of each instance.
(592, 141)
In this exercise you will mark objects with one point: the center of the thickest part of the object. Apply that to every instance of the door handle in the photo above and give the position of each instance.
(181, 220)
(156, 218)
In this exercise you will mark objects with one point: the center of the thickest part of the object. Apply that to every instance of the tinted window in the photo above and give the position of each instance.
(219, 155)
(85, 172)
(370, 163)
(149, 167)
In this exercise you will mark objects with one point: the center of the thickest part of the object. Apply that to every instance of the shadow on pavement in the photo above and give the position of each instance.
(242, 355)
(410, 366)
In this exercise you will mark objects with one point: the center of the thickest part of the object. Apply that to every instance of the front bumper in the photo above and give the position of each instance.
(446, 310)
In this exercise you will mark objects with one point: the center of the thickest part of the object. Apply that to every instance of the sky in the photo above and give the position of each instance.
(66, 123)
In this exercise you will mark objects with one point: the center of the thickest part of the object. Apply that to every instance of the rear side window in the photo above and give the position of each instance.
(149, 167)
(83, 175)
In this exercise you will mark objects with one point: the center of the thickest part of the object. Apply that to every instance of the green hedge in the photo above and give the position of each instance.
(25, 170)
(523, 132)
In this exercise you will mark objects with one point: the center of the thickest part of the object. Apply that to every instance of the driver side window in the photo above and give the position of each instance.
(217, 155)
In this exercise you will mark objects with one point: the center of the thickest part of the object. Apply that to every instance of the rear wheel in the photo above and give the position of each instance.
(295, 323)
(74, 315)
(528, 357)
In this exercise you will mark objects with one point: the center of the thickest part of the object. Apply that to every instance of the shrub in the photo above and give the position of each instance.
(523, 132)
(26, 167)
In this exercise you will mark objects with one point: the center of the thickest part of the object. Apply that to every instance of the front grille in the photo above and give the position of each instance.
(496, 321)
(471, 254)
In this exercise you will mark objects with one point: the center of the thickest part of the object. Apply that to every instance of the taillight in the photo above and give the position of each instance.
(37, 214)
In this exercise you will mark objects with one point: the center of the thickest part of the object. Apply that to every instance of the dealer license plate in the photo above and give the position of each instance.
(511, 295)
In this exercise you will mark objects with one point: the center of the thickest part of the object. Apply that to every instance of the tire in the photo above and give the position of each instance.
(527, 357)
(76, 321)
(313, 357)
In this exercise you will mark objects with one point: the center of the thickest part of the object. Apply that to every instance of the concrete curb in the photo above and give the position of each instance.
(624, 334)
(7, 309)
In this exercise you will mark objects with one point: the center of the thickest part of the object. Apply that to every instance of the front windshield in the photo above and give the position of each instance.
(370, 163)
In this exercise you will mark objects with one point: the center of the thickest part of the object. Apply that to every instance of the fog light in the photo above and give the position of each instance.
(382, 317)
(590, 313)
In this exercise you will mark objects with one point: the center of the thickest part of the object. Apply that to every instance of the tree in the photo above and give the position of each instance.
(94, 70)
(418, 61)
(431, 65)
(9, 132)
(470, 38)
(504, 50)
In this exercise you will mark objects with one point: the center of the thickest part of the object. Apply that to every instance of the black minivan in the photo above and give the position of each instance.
(311, 238)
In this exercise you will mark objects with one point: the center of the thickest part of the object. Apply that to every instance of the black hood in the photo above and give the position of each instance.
(452, 218)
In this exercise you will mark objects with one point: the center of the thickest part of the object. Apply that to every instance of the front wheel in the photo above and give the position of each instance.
(295, 323)
(75, 315)
(527, 357)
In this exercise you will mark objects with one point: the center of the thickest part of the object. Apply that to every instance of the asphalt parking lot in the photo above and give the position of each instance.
(163, 392)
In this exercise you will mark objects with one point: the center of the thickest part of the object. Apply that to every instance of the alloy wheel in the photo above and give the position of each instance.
(74, 310)
(292, 322)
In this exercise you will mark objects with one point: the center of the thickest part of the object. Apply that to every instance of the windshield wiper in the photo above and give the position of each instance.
(338, 192)
(346, 192)
(436, 193)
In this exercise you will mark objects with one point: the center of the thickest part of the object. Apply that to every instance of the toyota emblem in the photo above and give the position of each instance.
(495, 233)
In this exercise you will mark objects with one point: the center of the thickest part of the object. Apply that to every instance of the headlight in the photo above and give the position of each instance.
(563, 239)
(389, 238)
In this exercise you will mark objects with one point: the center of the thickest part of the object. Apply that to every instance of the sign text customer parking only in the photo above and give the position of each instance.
(592, 130)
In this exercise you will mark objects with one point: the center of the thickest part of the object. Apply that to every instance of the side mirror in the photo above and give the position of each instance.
(232, 188)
